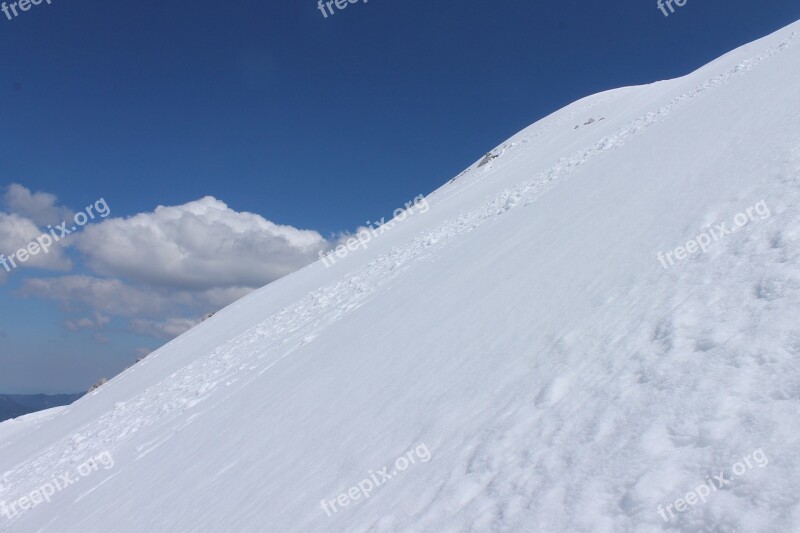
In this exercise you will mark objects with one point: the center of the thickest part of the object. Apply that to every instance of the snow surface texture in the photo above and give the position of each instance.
(522, 330)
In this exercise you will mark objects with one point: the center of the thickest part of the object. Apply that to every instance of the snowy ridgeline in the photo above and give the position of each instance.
(518, 358)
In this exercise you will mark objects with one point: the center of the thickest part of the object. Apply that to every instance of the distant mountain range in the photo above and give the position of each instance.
(14, 405)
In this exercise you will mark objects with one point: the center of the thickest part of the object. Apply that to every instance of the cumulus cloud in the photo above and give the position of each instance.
(141, 353)
(165, 329)
(17, 232)
(101, 297)
(215, 299)
(200, 245)
(40, 207)
(156, 268)
(107, 296)
(97, 321)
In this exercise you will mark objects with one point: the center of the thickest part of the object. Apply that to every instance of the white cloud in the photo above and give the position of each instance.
(215, 299)
(115, 297)
(142, 352)
(107, 296)
(200, 245)
(166, 329)
(102, 297)
(40, 207)
(17, 232)
(97, 321)
(159, 267)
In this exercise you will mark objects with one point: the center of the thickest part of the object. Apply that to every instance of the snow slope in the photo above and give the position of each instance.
(522, 331)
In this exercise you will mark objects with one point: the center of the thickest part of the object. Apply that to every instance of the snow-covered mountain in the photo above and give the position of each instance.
(547, 347)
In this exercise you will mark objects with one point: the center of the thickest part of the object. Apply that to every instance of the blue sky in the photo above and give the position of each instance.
(314, 124)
